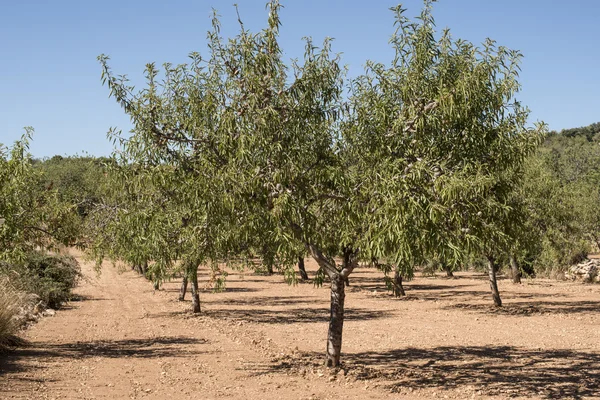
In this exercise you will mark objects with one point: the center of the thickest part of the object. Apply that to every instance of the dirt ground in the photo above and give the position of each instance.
(262, 339)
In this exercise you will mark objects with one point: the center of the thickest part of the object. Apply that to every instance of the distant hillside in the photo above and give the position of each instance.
(590, 132)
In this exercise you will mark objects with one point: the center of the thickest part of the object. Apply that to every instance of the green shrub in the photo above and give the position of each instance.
(50, 277)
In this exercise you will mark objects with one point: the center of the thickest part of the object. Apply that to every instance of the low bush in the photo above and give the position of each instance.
(48, 276)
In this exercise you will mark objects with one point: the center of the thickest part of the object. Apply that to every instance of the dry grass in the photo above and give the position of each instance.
(11, 304)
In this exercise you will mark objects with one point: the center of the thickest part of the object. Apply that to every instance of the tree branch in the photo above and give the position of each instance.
(326, 263)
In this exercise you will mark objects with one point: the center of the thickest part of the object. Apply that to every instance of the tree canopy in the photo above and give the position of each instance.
(411, 158)
(31, 216)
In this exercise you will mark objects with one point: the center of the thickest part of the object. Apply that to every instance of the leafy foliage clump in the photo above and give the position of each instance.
(50, 277)
(77, 180)
(561, 193)
(31, 216)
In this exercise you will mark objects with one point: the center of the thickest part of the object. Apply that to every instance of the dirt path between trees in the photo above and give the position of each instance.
(262, 339)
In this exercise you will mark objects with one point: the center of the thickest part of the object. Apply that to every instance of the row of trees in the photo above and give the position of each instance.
(240, 155)
(241, 159)
(244, 160)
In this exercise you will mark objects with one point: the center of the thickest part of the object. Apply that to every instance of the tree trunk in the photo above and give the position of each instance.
(449, 273)
(336, 321)
(184, 285)
(303, 274)
(493, 283)
(398, 289)
(193, 276)
(337, 295)
(516, 271)
(347, 281)
(268, 259)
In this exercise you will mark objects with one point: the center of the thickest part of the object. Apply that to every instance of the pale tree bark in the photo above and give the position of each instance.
(515, 270)
(347, 260)
(492, 269)
(398, 288)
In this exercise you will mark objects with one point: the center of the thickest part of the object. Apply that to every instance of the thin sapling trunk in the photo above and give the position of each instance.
(398, 289)
(492, 268)
(193, 276)
(183, 289)
(516, 271)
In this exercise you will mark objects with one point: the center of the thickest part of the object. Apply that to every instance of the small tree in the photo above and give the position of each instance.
(31, 215)
(152, 219)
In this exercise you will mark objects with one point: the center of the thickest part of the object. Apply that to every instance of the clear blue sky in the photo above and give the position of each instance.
(50, 79)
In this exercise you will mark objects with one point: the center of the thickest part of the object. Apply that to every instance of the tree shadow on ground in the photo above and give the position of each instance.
(299, 315)
(264, 301)
(209, 290)
(494, 370)
(423, 293)
(83, 297)
(461, 292)
(533, 307)
(269, 316)
(158, 347)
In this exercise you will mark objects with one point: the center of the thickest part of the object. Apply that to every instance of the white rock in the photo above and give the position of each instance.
(587, 271)
(49, 313)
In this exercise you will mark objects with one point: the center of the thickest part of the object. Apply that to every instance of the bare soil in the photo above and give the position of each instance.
(262, 339)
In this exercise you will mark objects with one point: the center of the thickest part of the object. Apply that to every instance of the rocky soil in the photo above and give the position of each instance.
(262, 339)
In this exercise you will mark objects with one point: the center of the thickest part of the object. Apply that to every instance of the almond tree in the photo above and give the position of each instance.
(395, 172)
(151, 218)
(440, 141)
